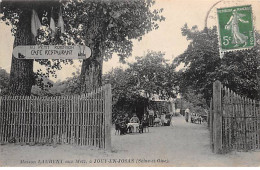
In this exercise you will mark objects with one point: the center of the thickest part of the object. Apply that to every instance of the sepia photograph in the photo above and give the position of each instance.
(129, 83)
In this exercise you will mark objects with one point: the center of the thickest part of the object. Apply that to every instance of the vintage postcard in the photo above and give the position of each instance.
(129, 83)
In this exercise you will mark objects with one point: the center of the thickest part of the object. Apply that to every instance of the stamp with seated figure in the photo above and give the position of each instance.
(236, 30)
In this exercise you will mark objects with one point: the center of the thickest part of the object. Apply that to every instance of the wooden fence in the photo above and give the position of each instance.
(234, 121)
(78, 119)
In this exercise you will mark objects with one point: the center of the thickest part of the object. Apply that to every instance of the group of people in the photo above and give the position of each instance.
(195, 118)
(124, 124)
(192, 117)
(121, 123)
(155, 118)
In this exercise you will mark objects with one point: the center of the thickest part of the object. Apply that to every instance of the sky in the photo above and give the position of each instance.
(167, 38)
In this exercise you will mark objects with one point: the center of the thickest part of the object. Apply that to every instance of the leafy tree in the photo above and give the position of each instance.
(125, 97)
(193, 105)
(106, 26)
(154, 75)
(237, 70)
(4, 80)
(70, 86)
(196, 99)
(195, 102)
(18, 14)
(134, 87)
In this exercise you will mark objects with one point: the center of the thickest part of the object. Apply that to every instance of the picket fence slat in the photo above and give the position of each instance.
(76, 119)
(1, 119)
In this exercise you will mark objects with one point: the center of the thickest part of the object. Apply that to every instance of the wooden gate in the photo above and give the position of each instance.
(234, 121)
(78, 119)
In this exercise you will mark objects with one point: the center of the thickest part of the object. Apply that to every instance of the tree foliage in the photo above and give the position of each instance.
(154, 75)
(149, 75)
(237, 70)
(18, 15)
(4, 80)
(125, 97)
(114, 23)
(107, 26)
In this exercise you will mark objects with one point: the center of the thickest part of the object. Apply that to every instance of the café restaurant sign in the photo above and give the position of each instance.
(52, 52)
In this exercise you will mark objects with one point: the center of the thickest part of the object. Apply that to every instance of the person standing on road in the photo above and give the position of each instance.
(126, 118)
(187, 114)
(172, 122)
(144, 120)
(122, 125)
(151, 116)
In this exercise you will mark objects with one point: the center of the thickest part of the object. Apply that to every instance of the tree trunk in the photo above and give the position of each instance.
(91, 70)
(22, 77)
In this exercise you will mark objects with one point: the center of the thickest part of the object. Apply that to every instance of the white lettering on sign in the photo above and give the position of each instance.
(52, 52)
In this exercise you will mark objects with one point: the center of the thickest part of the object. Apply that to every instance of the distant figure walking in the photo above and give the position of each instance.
(187, 114)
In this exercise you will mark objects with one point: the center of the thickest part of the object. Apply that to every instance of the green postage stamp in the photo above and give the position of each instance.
(236, 29)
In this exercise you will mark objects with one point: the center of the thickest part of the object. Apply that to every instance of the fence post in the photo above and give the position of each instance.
(245, 103)
(108, 117)
(211, 125)
(209, 115)
(1, 122)
(256, 117)
(217, 122)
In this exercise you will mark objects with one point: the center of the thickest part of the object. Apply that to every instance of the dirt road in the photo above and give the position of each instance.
(183, 144)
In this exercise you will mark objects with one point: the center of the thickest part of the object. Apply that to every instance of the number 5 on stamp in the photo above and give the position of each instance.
(235, 28)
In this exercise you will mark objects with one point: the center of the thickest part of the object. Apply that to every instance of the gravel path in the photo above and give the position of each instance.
(183, 144)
